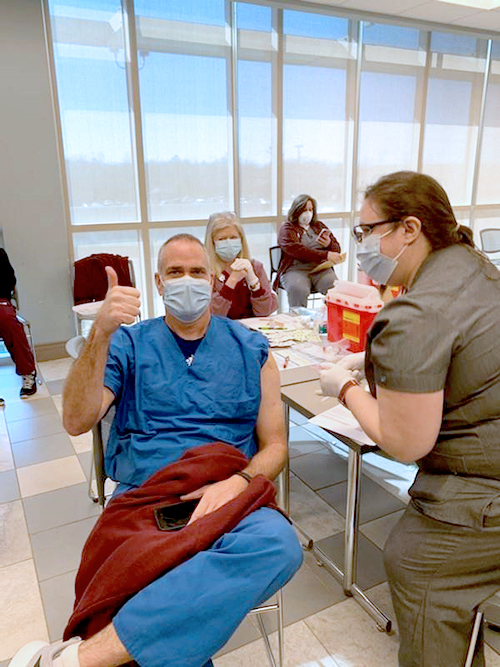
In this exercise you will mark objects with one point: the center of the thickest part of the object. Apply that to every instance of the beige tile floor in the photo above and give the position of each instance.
(45, 516)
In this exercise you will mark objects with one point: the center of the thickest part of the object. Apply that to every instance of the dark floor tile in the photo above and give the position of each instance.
(9, 489)
(58, 550)
(320, 469)
(370, 570)
(55, 387)
(306, 594)
(37, 427)
(492, 637)
(58, 596)
(85, 459)
(60, 507)
(302, 442)
(374, 500)
(246, 633)
(38, 450)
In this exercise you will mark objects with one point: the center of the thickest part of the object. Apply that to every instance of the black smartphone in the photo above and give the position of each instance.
(175, 516)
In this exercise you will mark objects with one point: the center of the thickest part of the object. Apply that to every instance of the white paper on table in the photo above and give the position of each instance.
(341, 420)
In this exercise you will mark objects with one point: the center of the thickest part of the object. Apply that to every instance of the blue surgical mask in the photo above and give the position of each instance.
(373, 262)
(228, 249)
(187, 298)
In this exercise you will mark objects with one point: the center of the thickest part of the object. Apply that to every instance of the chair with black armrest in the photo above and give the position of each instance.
(490, 243)
(274, 261)
(488, 613)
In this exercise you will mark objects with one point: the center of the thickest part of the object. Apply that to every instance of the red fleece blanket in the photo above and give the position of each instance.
(126, 551)
(91, 282)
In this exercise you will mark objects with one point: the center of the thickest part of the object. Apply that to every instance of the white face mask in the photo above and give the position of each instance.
(372, 260)
(228, 249)
(187, 298)
(305, 218)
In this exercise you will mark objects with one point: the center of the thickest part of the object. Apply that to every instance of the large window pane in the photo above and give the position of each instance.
(256, 120)
(204, 12)
(95, 117)
(392, 69)
(316, 126)
(452, 114)
(488, 191)
(184, 101)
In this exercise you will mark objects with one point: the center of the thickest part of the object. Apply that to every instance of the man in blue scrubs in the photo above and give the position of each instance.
(178, 382)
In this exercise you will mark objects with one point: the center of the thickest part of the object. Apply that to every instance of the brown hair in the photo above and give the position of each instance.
(407, 193)
(299, 206)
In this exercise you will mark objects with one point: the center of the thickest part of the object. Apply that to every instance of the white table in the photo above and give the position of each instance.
(302, 396)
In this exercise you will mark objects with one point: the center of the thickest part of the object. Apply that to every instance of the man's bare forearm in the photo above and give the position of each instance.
(269, 461)
(83, 390)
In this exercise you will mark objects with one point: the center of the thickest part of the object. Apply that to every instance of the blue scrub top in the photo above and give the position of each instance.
(165, 407)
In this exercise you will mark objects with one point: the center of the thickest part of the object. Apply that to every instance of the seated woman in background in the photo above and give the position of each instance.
(12, 331)
(306, 244)
(241, 286)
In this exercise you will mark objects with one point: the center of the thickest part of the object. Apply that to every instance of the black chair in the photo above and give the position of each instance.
(490, 243)
(274, 261)
(487, 613)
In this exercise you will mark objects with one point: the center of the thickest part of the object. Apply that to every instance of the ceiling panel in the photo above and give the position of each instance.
(482, 20)
(441, 12)
(382, 6)
(425, 10)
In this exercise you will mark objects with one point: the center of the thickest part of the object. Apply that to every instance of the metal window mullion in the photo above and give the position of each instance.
(59, 135)
(423, 106)
(234, 107)
(480, 133)
(355, 146)
(131, 60)
(278, 111)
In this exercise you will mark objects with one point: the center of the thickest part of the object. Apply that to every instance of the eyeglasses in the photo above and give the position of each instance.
(362, 231)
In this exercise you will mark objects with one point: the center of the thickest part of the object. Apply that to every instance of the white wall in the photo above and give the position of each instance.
(31, 204)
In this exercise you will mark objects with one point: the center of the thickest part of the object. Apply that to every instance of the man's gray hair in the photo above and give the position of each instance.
(179, 237)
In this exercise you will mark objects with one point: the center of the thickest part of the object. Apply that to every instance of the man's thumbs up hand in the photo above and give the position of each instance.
(112, 277)
(121, 305)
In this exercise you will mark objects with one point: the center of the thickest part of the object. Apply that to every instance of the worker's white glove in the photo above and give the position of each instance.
(333, 377)
(356, 363)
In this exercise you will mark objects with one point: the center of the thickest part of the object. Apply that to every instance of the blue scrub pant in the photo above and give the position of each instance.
(184, 617)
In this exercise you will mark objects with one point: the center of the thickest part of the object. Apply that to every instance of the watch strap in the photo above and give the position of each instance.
(345, 388)
(245, 475)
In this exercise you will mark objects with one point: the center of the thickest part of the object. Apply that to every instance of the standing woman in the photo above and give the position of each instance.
(305, 244)
(433, 365)
(241, 286)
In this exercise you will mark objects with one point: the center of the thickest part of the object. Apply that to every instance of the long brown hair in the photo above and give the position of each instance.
(408, 193)
(299, 206)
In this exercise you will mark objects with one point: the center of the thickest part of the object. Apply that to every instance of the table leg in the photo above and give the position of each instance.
(351, 519)
(351, 543)
(284, 477)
